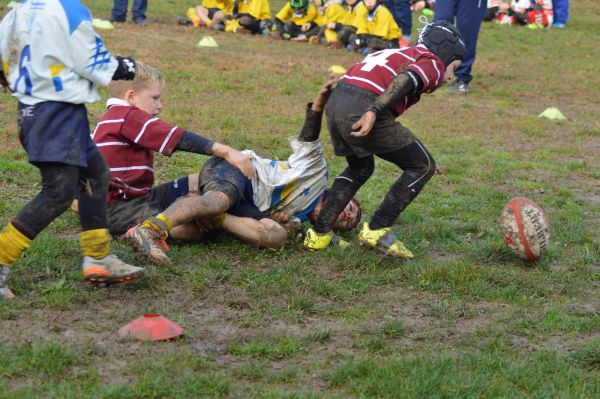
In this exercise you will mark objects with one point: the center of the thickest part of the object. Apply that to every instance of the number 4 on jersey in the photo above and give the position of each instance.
(379, 58)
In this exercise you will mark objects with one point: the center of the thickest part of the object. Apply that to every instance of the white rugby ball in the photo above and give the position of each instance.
(525, 228)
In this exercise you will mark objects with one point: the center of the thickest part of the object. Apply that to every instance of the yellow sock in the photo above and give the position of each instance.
(12, 244)
(219, 220)
(95, 243)
(160, 223)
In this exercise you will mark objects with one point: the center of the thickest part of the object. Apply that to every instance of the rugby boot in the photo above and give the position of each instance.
(109, 270)
(314, 241)
(148, 241)
(5, 292)
(384, 241)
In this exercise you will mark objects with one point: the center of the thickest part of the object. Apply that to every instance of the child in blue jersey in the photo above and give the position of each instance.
(52, 61)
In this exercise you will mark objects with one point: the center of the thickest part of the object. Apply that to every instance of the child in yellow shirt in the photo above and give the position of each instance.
(295, 18)
(376, 29)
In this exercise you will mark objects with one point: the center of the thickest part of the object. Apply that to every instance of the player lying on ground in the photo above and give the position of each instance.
(385, 84)
(283, 189)
(129, 134)
(53, 60)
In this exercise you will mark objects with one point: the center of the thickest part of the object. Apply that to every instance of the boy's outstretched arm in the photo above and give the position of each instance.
(404, 84)
(191, 142)
(312, 123)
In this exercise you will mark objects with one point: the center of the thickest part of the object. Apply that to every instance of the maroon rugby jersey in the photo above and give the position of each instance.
(376, 71)
(127, 137)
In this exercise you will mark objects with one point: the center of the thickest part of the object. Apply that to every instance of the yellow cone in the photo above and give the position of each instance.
(102, 24)
(208, 41)
(552, 113)
(337, 69)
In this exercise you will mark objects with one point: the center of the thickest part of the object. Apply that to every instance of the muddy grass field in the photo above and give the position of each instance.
(465, 318)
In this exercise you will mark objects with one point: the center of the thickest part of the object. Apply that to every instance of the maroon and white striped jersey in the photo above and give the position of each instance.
(128, 137)
(377, 70)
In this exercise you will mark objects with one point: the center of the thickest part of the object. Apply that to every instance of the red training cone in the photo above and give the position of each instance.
(151, 327)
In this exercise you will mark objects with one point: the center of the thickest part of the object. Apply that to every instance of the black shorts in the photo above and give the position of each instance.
(124, 214)
(346, 105)
(219, 175)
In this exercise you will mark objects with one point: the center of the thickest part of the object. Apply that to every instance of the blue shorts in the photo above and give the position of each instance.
(219, 175)
(53, 131)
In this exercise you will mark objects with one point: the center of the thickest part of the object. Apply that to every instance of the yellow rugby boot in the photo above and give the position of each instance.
(314, 241)
(384, 241)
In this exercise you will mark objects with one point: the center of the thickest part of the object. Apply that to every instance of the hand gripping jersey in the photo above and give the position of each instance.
(377, 70)
(50, 52)
(295, 186)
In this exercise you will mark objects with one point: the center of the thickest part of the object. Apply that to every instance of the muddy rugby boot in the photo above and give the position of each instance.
(109, 270)
(384, 241)
(148, 241)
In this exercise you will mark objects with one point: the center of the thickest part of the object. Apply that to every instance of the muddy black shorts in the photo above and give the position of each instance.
(124, 214)
(346, 105)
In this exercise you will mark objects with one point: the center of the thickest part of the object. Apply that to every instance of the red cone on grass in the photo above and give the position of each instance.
(151, 327)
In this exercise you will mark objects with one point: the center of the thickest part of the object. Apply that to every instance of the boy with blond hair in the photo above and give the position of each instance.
(129, 134)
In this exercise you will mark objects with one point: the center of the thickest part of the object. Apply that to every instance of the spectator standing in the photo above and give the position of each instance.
(402, 13)
(561, 13)
(138, 10)
(469, 15)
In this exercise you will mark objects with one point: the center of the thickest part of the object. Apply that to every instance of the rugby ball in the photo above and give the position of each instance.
(525, 228)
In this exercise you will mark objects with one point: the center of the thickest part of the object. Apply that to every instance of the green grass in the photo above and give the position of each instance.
(465, 318)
